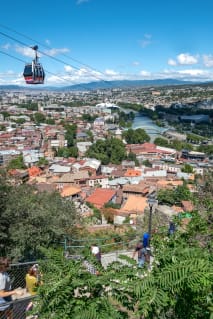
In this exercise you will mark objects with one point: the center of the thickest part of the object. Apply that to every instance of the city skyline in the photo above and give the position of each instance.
(82, 41)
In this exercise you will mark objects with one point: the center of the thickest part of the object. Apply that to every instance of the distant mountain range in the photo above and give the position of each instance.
(124, 84)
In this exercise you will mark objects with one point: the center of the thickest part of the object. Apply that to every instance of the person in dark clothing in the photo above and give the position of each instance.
(142, 253)
(172, 228)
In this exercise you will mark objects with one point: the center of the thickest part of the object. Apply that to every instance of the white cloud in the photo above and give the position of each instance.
(145, 73)
(193, 72)
(54, 52)
(68, 68)
(47, 42)
(70, 75)
(11, 77)
(172, 62)
(208, 60)
(186, 59)
(6, 46)
(110, 72)
(56, 80)
(146, 41)
(25, 51)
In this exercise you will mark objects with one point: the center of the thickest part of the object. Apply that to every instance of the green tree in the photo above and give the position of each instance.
(90, 135)
(70, 135)
(147, 163)
(42, 161)
(132, 157)
(34, 220)
(67, 152)
(17, 162)
(187, 168)
(50, 121)
(29, 106)
(137, 136)
(161, 142)
(111, 150)
(5, 114)
(179, 145)
(171, 197)
(4, 224)
(39, 118)
(2, 127)
(21, 120)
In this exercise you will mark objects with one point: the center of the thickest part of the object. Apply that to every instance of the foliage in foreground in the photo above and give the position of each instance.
(178, 286)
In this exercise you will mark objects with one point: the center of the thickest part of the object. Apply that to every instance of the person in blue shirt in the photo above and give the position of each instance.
(145, 240)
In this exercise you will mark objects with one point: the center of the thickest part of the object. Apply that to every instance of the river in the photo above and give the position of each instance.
(144, 122)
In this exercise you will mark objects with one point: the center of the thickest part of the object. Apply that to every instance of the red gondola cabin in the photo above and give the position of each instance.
(34, 72)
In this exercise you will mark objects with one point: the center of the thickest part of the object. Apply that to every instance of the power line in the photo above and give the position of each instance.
(12, 56)
(48, 47)
(89, 68)
(46, 71)
(53, 58)
(56, 59)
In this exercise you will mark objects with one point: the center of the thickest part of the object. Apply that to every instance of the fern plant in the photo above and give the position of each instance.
(178, 286)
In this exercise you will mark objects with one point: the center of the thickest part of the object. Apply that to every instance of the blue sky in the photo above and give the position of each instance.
(87, 40)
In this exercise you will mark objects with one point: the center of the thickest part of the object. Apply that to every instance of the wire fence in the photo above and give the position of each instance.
(17, 308)
(107, 245)
(17, 273)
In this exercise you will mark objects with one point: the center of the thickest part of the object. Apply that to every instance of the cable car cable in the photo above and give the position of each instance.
(46, 71)
(48, 47)
(54, 58)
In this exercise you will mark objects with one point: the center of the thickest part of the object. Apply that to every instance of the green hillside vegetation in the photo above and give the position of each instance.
(178, 286)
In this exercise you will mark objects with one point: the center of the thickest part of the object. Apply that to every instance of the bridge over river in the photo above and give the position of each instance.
(144, 122)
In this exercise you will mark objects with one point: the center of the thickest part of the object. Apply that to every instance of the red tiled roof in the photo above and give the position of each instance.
(70, 191)
(135, 204)
(132, 172)
(34, 171)
(100, 197)
(187, 205)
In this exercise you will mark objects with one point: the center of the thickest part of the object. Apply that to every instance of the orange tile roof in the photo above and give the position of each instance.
(70, 191)
(132, 172)
(135, 204)
(192, 177)
(164, 183)
(100, 197)
(34, 171)
(187, 205)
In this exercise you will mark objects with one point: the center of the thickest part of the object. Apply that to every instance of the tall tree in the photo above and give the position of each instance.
(111, 150)
(35, 219)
